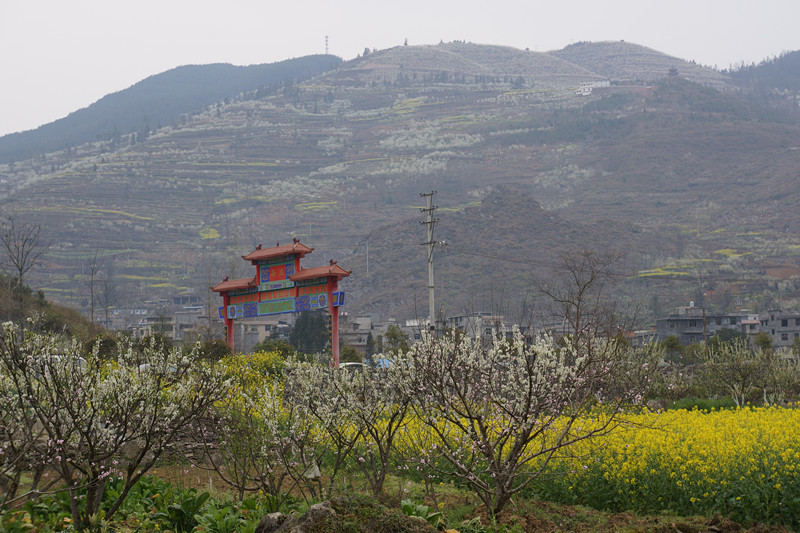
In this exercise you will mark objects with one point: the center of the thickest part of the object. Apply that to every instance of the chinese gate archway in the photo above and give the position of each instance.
(281, 285)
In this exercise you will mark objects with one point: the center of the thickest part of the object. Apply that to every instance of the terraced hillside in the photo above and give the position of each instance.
(632, 63)
(666, 170)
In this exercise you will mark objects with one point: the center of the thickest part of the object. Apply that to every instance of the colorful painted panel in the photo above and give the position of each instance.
(311, 303)
(283, 305)
(277, 294)
(302, 303)
(273, 307)
(318, 301)
(275, 285)
(277, 272)
(305, 290)
(244, 298)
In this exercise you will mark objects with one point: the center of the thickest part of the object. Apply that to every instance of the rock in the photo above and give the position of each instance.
(311, 521)
(271, 522)
(316, 513)
(344, 514)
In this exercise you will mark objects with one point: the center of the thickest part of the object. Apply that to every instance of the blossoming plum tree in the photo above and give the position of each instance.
(499, 413)
(379, 404)
(19, 438)
(100, 419)
(256, 442)
(323, 395)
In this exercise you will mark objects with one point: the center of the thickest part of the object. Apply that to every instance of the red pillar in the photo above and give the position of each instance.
(226, 300)
(333, 286)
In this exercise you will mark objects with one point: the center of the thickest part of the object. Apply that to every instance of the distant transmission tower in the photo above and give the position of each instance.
(430, 209)
(326, 45)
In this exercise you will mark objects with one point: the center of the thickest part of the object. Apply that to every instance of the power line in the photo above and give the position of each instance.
(536, 262)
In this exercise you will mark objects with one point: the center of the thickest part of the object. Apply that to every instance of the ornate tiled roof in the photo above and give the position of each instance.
(332, 271)
(279, 250)
(234, 284)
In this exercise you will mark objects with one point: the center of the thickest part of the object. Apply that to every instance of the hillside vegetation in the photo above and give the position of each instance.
(157, 101)
(42, 314)
(665, 168)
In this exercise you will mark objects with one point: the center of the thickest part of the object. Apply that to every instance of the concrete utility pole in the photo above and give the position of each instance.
(430, 222)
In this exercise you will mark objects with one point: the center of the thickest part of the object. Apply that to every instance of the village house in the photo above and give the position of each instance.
(695, 324)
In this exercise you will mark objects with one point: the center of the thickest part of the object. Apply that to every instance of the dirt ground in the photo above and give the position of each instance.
(530, 516)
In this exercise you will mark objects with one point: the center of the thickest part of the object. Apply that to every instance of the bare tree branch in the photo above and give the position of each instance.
(23, 248)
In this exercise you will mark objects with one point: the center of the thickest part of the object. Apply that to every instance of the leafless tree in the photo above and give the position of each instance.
(109, 294)
(92, 269)
(576, 294)
(732, 368)
(23, 247)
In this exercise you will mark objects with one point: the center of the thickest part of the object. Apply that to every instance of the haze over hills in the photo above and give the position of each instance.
(677, 165)
(156, 101)
(632, 63)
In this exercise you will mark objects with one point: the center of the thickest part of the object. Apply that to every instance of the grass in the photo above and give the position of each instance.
(464, 513)
(87, 210)
(134, 277)
(209, 233)
(702, 404)
(666, 271)
(731, 253)
(358, 511)
(315, 206)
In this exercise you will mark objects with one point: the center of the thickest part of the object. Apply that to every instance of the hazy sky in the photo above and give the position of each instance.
(57, 56)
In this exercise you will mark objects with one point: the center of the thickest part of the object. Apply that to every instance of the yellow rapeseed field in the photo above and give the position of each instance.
(742, 463)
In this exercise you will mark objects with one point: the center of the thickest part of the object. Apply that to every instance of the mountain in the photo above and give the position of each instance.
(157, 101)
(778, 74)
(458, 61)
(493, 250)
(696, 184)
(632, 63)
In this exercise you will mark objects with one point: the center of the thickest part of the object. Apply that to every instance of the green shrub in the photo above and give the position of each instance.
(412, 508)
(702, 404)
(181, 516)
